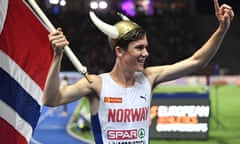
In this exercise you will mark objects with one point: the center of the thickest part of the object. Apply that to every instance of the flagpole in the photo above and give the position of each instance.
(67, 49)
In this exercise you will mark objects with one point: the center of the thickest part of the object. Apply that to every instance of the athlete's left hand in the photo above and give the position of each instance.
(224, 14)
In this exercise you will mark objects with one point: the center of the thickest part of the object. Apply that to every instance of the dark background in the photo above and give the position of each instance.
(176, 29)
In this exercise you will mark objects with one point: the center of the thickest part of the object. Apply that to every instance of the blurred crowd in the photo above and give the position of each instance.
(172, 37)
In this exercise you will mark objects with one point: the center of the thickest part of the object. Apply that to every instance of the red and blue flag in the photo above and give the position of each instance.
(25, 58)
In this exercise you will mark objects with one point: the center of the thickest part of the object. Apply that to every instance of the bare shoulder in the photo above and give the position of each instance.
(153, 70)
(149, 73)
(155, 73)
(91, 87)
(96, 81)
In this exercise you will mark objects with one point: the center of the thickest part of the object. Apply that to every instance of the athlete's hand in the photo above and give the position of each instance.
(224, 14)
(58, 40)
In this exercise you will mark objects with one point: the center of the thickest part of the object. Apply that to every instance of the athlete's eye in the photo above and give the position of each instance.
(140, 47)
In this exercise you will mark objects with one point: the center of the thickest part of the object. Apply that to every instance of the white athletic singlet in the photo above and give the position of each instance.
(124, 113)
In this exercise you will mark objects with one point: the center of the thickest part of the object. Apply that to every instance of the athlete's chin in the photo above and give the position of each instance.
(140, 68)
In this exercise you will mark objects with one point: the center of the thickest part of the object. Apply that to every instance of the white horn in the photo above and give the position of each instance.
(107, 29)
(123, 17)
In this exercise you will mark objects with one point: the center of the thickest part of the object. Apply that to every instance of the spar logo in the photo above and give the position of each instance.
(141, 133)
(125, 134)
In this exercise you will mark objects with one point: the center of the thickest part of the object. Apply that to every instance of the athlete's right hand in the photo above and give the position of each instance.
(58, 40)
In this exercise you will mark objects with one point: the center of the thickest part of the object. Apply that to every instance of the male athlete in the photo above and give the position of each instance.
(120, 99)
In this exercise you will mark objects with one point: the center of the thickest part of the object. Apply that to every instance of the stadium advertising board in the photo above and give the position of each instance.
(180, 116)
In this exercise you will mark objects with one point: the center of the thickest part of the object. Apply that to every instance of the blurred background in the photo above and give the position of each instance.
(175, 28)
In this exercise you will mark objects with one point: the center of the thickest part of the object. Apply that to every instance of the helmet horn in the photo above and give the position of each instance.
(123, 17)
(107, 29)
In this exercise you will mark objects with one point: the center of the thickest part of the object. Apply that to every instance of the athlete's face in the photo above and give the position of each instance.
(135, 55)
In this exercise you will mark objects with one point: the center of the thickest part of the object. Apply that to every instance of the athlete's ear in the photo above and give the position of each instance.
(118, 51)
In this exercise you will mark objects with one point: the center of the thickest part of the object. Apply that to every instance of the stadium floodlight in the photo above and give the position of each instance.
(55, 2)
(93, 4)
(63, 3)
(103, 4)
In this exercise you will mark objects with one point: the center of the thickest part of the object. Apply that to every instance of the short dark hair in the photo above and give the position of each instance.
(132, 35)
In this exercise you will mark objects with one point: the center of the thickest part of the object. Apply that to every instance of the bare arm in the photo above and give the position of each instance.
(51, 90)
(201, 57)
(54, 96)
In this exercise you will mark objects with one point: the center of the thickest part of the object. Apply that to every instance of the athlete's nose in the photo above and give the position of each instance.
(145, 52)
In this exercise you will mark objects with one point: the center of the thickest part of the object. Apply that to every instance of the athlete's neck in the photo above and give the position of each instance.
(122, 77)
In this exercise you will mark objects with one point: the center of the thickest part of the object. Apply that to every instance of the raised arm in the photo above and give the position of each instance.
(51, 90)
(53, 96)
(201, 57)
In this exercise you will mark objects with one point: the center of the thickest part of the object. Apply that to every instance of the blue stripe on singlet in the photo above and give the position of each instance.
(96, 128)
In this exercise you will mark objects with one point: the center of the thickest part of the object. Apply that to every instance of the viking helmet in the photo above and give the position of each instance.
(114, 32)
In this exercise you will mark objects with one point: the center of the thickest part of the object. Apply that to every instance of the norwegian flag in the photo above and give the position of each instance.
(25, 57)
